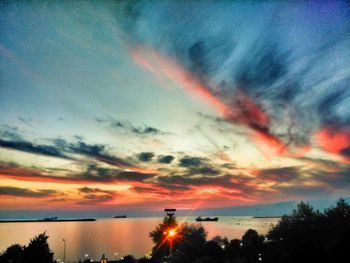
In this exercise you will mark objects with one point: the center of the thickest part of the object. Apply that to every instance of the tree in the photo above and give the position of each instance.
(252, 245)
(159, 237)
(233, 250)
(13, 254)
(298, 236)
(186, 245)
(213, 249)
(337, 231)
(128, 259)
(38, 250)
(190, 244)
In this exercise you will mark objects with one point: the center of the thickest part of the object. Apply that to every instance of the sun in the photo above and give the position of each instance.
(172, 233)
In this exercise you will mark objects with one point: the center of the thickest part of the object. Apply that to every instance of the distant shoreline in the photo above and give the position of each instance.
(45, 220)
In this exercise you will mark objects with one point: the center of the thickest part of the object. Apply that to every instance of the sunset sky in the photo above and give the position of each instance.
(142, 105)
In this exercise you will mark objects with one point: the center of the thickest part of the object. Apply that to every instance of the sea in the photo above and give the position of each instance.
(116, 237)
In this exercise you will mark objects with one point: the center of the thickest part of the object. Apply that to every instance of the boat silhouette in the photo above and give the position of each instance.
(120, 216)
(202, 219)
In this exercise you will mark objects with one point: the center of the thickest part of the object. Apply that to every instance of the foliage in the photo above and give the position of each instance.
(37, 251)
(311, 236)
(128, 259)
(306, 235)
(187, 244)
(12, 254)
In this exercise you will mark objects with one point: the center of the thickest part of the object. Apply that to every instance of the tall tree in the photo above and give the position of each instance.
(38, 250)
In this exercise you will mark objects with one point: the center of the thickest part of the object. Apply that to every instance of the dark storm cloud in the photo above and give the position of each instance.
(290, 63)
(145, 156)
(22, 192)
(126, 126)
(165, 158)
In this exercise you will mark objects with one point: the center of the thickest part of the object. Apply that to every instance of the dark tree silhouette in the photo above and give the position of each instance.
(13, 254)
(214, 250)
(187, 245)
(310, 236)
(161, 248)
(191, 242)
(252, 245)
(233, 251)
(336, 235)
(128, 259)
(38, 250)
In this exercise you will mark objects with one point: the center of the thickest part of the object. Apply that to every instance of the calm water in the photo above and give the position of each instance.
(115, 237)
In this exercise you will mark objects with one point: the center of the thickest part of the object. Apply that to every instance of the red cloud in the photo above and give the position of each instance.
(335, 141)
(242, 110)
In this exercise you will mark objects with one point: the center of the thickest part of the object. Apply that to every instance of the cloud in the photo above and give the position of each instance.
(282, 83)
(89, 190)
(94, 173)
(145, 156)
(198, 165)
(22, 192)
(335, 180)
(335, 140)
(64, 149)
(10, 133)
(183, 181)
(165, 158)
(93, 199)
(189, 161)
(91, 175)
(346, 152)
(126, 126)
(304, 191)
(204, 170)
(99, 152)
(29, 147)
(281, 174)
(92, 196)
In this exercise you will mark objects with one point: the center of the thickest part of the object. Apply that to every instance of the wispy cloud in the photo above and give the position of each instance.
(265, 82)
(126, 126)
(61, 148)
(23, 192)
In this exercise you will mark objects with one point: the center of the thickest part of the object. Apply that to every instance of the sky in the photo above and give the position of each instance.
(142, 105)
